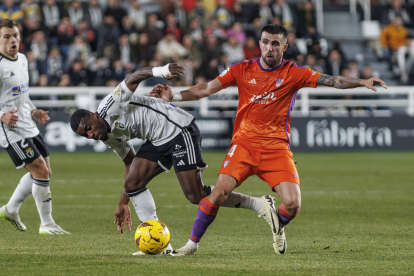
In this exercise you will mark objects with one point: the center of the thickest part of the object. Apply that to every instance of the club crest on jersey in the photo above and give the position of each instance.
(29, 152)
(278, 81)
(119, 126)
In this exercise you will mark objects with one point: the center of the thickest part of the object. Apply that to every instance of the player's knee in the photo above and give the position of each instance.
(132, 184)
(194, 198)
(42, 172)
(293, 205)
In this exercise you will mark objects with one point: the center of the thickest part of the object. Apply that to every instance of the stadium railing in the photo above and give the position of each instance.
(323, 101)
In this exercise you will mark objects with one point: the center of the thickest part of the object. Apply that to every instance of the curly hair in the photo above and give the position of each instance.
(77, 116)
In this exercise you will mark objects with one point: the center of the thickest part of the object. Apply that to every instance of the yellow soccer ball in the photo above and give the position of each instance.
(152, 237)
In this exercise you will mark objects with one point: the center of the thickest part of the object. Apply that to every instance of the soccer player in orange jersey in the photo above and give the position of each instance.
(267, 89)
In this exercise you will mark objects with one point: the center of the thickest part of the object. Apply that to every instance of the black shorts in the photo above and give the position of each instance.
(183, 151)
(27, 150)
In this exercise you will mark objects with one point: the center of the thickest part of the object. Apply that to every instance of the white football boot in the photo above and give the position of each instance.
(168, 250)
(185, 250)
(52, 229)
(280, 245)
(14, 219)
(269, 213)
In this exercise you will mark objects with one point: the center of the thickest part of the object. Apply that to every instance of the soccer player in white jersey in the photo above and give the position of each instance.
(19, 135)
(173, 138)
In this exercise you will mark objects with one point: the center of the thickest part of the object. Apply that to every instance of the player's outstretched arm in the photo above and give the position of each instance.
(342, 82)
(195, 92)
(40, 115)
(122, 213)
(168, 71)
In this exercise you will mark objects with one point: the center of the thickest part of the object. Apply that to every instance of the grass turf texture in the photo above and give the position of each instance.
(356, 219)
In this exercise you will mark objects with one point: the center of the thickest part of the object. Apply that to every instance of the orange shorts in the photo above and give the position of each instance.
(271, 166)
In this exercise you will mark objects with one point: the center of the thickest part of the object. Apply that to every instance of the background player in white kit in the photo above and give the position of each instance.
(172, 138)
(19, 135)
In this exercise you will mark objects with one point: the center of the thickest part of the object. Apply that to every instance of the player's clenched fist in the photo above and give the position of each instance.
(10, 118)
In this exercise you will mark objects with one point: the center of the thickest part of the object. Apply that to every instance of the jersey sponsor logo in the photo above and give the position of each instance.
(313, 73)
(224, 72)
(177, 147)
(29, 152)
(11, 74)
(226, 163)
(278, 81)
(18, 90)
(179, 153)
(119, 126)
(263, 99)
(253, 81)
(295, 175)
(181, 163)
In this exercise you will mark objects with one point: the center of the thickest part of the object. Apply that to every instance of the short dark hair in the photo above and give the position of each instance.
(8, 23)
(275, 29)
(77, 116)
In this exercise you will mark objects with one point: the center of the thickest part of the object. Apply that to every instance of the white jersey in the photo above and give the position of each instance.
(14, 94)
(134, 116)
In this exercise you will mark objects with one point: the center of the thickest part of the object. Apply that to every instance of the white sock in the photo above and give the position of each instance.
(22, 192)
(144, 204)
(238, 200)
(192, 243)
(43, 199)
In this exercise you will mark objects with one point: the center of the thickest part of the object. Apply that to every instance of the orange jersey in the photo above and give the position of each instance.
(266, 99)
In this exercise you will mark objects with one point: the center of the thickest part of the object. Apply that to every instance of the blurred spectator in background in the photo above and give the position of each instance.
(233, 49)
(251, 49)
(64, 80)
(397, 10)
(108, 35)
(222, 14)
(334, 65)
(145, 50)
(33, 69)
(172, 27)
(79, 50)
(237, 31)
(199, 13)
(154, 33)
(94, 14)
(195, 31)
(293, 50)
(237, 13)
(255, 29)
(87, 33)
(282, 10)
(126, 53)
(40, 48)
(137, 15)
(127, 26)
(265, 13)
(78, 75)
(31, 10)
(393, 38)
(311, 62)
(171, 49)
(405, 59)
(51, 19)
(100, 72)
(307, 21)
(54, 66)
(194, 54)
(180, 14)
(9, 10)
(354, 70)
(215, 29)
(65, 34)
(211, 49)
(117, 71)
(75, 12)
(115, 11)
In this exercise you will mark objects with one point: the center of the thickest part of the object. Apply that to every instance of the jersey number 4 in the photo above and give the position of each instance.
(231, 151)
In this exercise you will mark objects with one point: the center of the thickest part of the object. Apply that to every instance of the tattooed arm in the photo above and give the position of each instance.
(342, 82)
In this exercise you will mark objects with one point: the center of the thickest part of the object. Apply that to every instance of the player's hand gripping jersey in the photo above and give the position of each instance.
(134, 116)
(266, 99)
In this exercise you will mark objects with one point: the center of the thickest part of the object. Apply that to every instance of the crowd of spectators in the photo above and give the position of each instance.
(100, 42)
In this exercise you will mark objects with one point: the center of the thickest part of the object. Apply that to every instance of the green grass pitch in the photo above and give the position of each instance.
(356, 219)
